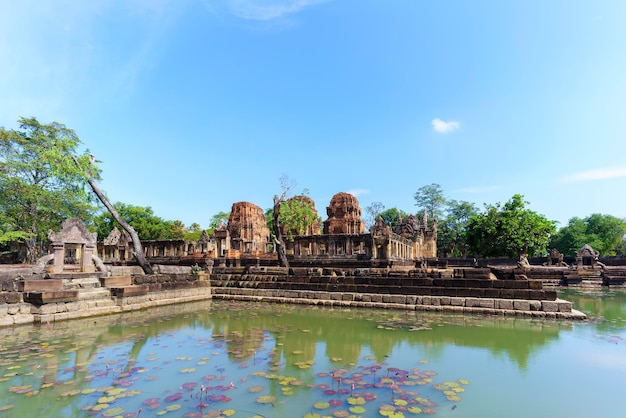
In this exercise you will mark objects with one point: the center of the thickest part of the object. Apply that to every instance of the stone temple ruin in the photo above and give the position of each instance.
(342, 237)
(336, 263)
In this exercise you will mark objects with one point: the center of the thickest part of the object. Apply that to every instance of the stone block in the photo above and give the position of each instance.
(41, 298)
(472, 302)
(348, 297)
(550, 294)
(463, 292)
(116, 281)
(455, 301)
(535, 305)
(522, 294)
(12, 297)
(6, 320)
(549, 306)
(444, 300)
(39, 285)
(132, 290)
(505, 304)
(487, 303)
(521, 305)
(564, 306)
(23, 319)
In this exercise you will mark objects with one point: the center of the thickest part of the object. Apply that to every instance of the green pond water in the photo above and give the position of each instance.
(219, 359)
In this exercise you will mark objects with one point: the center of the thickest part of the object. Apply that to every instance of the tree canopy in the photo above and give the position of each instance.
(604, 233)
(143, 220)
(392, 217)
(431, 199)
(452, 230)
(41, 181)
(509, 230)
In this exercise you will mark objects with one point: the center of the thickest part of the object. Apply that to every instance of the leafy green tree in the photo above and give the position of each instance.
(509, 230)
(452, 231)
(604, 233)
(431, 199)
(194, 227)
(298, 216)
(194, 232)
(177, 229)
(142, 219)
(41, 181)
(392, 216)
(217, 220)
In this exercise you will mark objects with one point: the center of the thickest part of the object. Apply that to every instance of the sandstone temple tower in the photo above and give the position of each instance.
(247, 228)
(344, 215)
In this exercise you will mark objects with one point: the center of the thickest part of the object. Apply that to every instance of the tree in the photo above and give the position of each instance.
(372, 212)
(452, 231)
(40, 185)
(392, 217)
(298, 216)
(510, 230)
(143, 220)
(279, 244)
(604, 233)
(431, 199)
(217, 220)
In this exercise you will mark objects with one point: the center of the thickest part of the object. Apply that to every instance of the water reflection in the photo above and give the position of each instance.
(606, 307)
(296, 354)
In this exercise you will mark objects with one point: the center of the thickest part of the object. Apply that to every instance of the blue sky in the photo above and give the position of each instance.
(192, 105)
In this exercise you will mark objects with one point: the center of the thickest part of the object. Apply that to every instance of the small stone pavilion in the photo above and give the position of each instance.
(73, 248)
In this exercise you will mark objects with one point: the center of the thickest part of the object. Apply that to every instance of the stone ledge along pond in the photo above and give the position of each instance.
(222, 359)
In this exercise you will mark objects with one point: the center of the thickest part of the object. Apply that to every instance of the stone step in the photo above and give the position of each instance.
(81, 283)
(41, 298)
(116, 281)
(93, 293)
(133, 290)
(39, 285)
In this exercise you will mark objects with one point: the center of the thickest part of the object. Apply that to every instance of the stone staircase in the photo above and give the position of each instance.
(71, 287)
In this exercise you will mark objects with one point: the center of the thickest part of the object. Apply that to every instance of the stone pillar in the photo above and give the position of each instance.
(58, 249)
(86, 264)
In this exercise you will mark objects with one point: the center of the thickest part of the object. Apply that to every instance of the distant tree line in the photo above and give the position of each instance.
(509, 229)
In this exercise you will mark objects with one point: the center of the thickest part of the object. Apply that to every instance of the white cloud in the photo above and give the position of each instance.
(358, 192)
(444, 127)
(596, 174)
(262, 10)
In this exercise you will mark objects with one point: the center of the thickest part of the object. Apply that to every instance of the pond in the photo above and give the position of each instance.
(220, 359)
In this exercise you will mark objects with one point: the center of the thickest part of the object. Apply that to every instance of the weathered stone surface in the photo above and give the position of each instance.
(344, 215)
(521, 305)
(39, 285)
(132, 290)
(41, 298)
(549, 306)
(247, 228)
(116, 281)
(505, 304)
